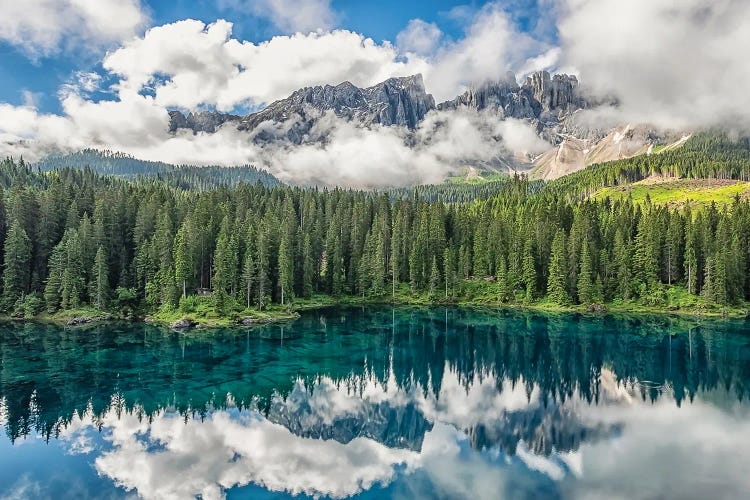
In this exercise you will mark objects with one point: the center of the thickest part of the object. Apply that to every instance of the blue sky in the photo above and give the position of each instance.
(36, 79)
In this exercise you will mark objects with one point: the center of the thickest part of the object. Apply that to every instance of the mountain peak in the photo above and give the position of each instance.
(542, 96)
(396, 101)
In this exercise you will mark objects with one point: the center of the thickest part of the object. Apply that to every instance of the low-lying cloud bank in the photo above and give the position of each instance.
(679, 64)
(340, 152)
(674, 64)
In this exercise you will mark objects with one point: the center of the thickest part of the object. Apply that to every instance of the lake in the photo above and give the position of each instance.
(379, 403)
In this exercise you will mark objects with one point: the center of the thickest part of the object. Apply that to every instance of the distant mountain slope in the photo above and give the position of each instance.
(706, 155)
(550, 104)
(396, 101)
(185, 176)
(574, 153)
(542, 99)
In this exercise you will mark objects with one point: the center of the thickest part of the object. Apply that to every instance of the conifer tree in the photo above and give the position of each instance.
(263, 283)
(54, 279)
(558, 273)
(249, 269)
(396, 237)
(100, 280)
(286, 268)
(308, 267)
(622, 263)
(448, 269)
(183, 258)
(225, 262)
(434, 277)
(529, 271)
(16, 264)
(72, 285)
(503, 291)
(585, 286)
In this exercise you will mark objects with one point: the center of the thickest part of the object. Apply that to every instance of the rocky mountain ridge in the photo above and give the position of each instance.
(549, 103)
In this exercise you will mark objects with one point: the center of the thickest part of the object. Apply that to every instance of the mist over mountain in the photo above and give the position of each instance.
(536, 126)
(396, 101)
(543, 99)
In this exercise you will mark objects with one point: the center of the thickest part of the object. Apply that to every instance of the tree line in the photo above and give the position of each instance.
(73, 238)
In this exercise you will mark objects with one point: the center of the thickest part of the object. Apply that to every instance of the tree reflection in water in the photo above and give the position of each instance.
(346, 400)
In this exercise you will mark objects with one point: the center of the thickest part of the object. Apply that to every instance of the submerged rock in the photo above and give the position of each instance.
(183, 324)
(79, 321)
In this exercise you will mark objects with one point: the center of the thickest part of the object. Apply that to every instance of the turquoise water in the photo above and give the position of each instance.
(379, 403)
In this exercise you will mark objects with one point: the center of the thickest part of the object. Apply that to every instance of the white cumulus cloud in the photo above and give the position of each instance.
(44, 27)
(189, 63)
(675, 63)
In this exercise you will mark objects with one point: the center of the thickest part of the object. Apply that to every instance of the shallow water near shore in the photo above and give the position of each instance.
(379, 402)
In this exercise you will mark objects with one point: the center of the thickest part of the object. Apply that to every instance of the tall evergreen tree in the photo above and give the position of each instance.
(308, 267)
(585, 286)
(529, 271)
(100, 280)
(557, 289)
(17, 263)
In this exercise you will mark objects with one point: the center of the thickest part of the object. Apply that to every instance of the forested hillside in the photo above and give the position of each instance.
(71, 237)
(464, 192)
(707, 155)
(182, 176)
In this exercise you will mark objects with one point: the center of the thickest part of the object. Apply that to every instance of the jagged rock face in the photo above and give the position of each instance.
(396, 101)
(558, 93)
(541, 97)
(548, 103)
(202, 121)
(399, 101)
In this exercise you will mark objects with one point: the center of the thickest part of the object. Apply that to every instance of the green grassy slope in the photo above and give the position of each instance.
(679, 192)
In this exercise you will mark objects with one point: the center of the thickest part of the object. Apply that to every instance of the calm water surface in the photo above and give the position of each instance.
(379, 403)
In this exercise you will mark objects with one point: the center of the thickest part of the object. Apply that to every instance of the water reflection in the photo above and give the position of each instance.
(411, 403)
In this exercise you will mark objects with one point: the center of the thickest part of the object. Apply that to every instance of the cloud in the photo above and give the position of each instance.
(419, 37)
(445, 143)
(291, 16)
(45, 27)
(30, 99)
(165, 456)
(340, 152)
(168, 456)
(190, 64)
(202, 458)
(491, 47)
(675, 63)
(82, 83)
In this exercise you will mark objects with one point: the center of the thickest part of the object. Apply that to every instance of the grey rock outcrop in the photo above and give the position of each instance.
(550, 104)
(541, 97)
(183, 324)
(396, 101)
(554, 94)
(201, 121)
